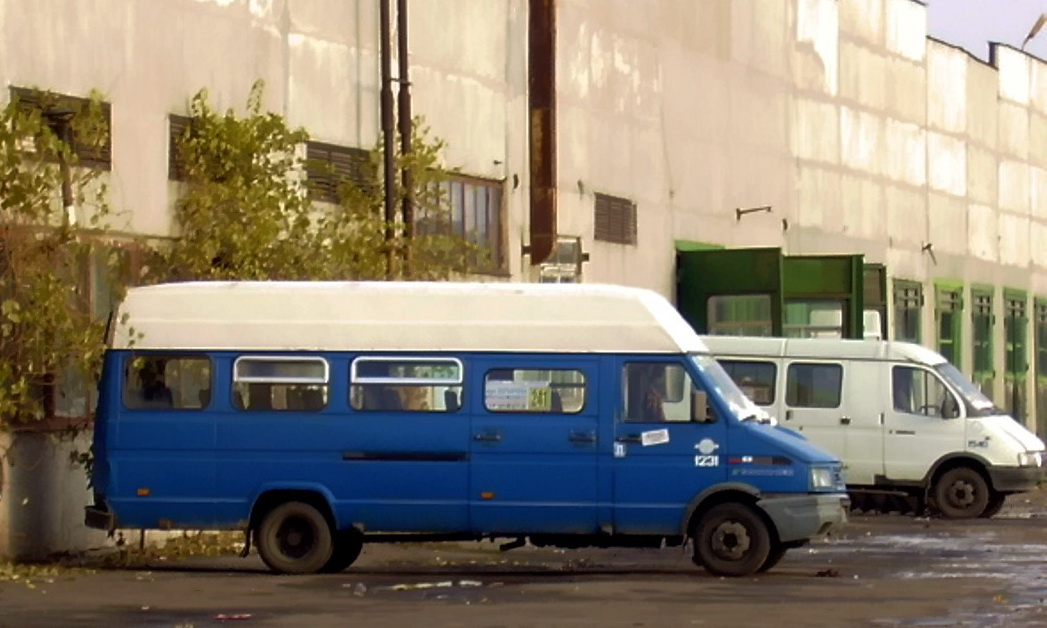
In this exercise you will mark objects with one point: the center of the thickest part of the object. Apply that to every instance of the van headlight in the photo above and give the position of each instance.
(1030, 459)
(826, 478)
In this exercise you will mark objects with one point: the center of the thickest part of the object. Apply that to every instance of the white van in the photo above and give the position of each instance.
(905, 422)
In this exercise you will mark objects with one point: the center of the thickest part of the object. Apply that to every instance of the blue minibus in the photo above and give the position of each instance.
(320, 416)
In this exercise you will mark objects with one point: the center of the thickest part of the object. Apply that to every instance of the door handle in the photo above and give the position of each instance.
(631, 438)
(845, 420)
(788, 414)
(582, 437)
(488, 437)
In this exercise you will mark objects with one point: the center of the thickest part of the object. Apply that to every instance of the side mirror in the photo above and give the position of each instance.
(701, 411)
(950, 408)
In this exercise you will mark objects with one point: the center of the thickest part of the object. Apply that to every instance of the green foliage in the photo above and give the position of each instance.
(48, 335)
(246, 213)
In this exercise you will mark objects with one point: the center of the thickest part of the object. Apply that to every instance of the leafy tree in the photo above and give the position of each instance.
(246, 213)
(49, 337)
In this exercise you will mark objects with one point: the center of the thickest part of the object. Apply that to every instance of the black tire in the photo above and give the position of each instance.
(775, 556)
(347, 547)
(731, 540)
(994, 506)
(295, 538)
(961, 493)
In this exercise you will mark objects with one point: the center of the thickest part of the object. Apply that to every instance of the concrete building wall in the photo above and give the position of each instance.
(860, 133)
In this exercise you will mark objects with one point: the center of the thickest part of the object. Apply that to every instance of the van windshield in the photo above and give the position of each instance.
(714, 375)
(977, 403)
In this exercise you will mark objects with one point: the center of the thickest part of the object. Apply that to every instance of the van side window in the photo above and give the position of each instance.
(813, 385)
(756, 379)
(660, 391)
(916, 391)
(180, 382)
(557, 391)
(406, 383)
(280, 383)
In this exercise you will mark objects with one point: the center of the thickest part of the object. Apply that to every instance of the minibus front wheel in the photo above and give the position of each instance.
(295, 538)
(731, 539)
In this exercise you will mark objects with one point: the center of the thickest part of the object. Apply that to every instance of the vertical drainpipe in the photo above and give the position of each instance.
(404, 119)
(541, 71)
(387, 136)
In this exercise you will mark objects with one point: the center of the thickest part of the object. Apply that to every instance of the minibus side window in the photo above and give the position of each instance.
(756, 379)
(411, 384)
(280, 383)
(661, 391)
(916, 391)
(556, 391)
(180, 382)
(813, 385)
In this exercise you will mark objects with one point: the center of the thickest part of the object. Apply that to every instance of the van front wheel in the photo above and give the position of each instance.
(295, 538)
(961, 493)
(731, 540)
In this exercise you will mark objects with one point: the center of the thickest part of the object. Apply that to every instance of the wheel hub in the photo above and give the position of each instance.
(731, 541)
(962, 494)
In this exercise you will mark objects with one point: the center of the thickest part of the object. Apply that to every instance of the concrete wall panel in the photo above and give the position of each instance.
(946, 88)
(983, 232)
(863, 20)
(906, 23)
(1014, 186)
(947, 164)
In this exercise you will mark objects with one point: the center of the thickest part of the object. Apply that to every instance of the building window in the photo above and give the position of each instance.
(740, 315)
(327, 166)
(813, 385)
(615, 219)
(815, 318)
(280, 383)
(908, 304)
(65, 115)
(557, 391)
(406, 384)
(176, 130)
(982, 329)
(474, 214)
(948, 307)
(1016, 339)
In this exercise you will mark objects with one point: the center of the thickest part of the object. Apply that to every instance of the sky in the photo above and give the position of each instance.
(971, 24)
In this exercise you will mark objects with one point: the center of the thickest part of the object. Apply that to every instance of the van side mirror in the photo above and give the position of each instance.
(701, 411)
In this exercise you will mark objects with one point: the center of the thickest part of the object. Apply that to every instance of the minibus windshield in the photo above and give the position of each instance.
(739, 404)
(977, 403)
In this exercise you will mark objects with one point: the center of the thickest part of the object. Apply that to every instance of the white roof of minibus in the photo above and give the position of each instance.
(395, 316)
(822, 348)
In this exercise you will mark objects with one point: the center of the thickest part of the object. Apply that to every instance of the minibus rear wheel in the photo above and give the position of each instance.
(731, 539)
(295, 538)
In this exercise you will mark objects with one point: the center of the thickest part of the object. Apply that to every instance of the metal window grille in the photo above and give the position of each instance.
(615, 219)
(328, 165)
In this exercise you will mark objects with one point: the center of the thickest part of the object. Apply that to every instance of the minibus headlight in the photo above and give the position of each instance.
(823, 478)
(1030, 459)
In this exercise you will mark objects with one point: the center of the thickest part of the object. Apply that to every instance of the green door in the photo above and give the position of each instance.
(760, 292)
(731, 291)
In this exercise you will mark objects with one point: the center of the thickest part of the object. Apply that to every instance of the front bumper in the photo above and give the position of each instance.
(1016, 479)
(802, 517)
